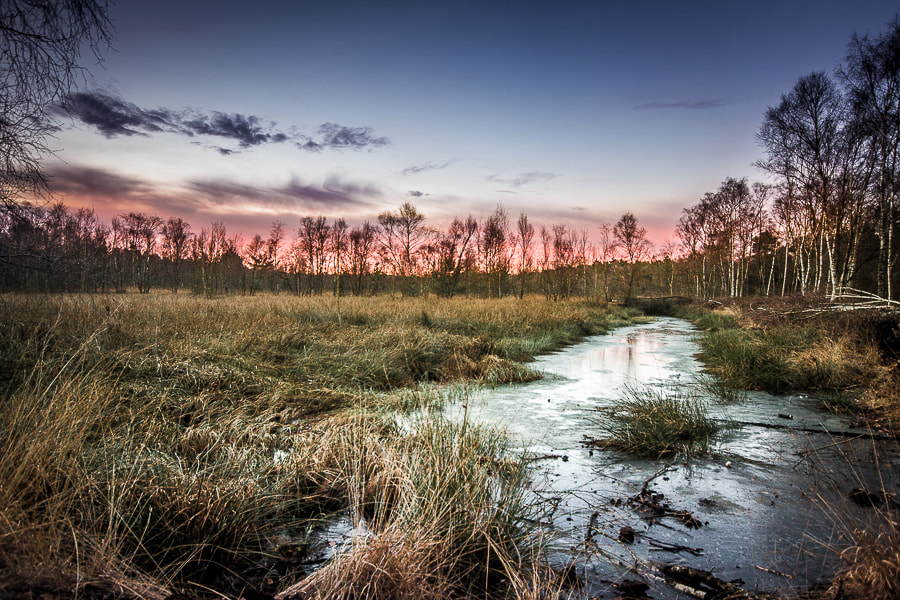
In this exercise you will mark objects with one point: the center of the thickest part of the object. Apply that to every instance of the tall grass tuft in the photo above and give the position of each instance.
(657, 421)
(446, 511)
(871, 568)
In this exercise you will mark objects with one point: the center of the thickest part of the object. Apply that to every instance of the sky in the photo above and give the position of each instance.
(570, 112)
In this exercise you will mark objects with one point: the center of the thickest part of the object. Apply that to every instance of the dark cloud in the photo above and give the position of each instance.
(332, 135)
(112, 116)
(295, 194)
(333, 191)
(415, 193)
(523, 179)
(416, 169)
(246, 130)
(690, 105)
(199, 201)
(87, 181)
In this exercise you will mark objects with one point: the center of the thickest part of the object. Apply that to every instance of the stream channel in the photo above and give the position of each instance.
(770, 502)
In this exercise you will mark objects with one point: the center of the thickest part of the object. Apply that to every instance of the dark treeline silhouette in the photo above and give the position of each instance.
(54, 249)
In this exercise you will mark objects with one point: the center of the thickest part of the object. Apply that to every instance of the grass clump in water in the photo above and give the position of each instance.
(440, 508)
(656, 422)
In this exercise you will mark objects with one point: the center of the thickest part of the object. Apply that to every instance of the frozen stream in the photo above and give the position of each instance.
(755, 495)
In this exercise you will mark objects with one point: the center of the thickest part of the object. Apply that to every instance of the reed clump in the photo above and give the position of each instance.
(442, 509)
(656, 422)
(160, 443)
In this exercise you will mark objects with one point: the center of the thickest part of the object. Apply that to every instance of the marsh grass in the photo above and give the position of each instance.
(158, 443)
(660, 421)
(786, 358)
(445, 508)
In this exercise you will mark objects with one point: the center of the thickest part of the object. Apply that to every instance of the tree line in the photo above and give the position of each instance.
(826, 223)
(52, 248)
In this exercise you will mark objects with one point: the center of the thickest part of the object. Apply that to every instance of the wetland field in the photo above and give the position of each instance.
(170, 446)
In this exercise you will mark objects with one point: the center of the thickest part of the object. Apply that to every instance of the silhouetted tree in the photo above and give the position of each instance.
(524, 239)
(633, 240)
(403, 235)
(450, 252)
(362, 246)
(176, 238)
(493, 247)
(314, 234)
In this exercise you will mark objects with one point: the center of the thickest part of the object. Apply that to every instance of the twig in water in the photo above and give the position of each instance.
(774, 572)
(665, 547)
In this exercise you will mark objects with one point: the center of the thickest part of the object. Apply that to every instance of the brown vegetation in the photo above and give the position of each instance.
(161, 443)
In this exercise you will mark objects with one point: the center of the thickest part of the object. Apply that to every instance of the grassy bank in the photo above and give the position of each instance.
(160, 443)
(849, 357)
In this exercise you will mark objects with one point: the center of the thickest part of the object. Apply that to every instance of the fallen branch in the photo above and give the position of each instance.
(650, 501)
(704, 585)
(835, 433)
(564, 457)
(774, 572)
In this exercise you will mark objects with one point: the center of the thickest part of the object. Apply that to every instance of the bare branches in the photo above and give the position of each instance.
(40, 48)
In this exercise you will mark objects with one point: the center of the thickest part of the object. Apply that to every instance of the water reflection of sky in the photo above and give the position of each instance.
(758, 509)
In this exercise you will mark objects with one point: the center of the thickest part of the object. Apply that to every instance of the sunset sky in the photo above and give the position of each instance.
(572, 112)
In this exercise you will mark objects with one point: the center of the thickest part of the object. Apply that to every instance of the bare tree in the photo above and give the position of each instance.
(339, 243)
(176, 237)
(403, 234)
(524, 239)
(450, 251)
(633, 240)
(606, 252)
(362, 247)
(872, 76)
(40, 46)
(667, 255)
(313, 235)
(558, 261)
(137, 234)
(804, 138)
(257, 259)
(492, 245)
(208, 250)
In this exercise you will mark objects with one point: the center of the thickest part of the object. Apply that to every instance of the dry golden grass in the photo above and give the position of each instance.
(157, 443)
(836, 362)
(871, 567)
